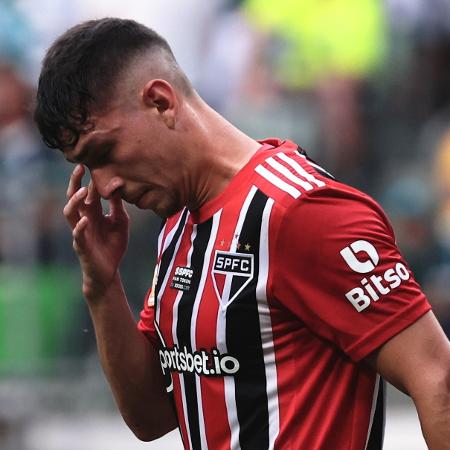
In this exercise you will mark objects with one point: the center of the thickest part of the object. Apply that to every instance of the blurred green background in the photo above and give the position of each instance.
(362, 85)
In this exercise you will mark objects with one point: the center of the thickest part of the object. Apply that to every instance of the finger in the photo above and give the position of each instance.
(78, 234)
(92, 205)
(72, 209)
(75, 180)
(93, 197)
(117, 208)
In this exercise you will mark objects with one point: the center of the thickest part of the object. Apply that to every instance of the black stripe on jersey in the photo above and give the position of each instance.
(376, 437)
(185, 308)
(161, 225)
(168, 254)
(244, 342)
(316, 166)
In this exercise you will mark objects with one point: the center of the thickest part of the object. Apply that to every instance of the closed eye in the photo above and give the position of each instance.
(100, 156)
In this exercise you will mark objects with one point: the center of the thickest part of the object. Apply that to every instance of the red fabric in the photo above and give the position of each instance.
(314, 278)
(322, 390)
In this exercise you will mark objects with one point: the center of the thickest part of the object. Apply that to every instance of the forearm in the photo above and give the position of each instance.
(433, 407)
(131, 366)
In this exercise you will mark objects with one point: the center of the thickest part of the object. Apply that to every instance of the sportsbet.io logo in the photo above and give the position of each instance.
(362, 257)
(201, 362)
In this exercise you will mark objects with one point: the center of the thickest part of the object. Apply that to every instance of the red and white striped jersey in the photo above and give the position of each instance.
(265, 302)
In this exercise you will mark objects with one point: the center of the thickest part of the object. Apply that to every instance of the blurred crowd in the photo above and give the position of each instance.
(362, 85)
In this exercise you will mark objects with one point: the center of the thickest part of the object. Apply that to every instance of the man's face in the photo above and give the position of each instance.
(131, 152)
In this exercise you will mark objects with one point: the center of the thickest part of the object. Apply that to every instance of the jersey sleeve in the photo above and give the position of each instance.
(146, 322)
(338, 269)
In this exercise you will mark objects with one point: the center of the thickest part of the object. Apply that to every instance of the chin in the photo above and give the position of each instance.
(165, 213)
(163, 210)
(162, 205)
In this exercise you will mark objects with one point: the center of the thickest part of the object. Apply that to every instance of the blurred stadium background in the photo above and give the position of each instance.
(363, 85)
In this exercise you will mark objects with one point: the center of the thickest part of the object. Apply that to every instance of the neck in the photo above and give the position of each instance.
(221, 151)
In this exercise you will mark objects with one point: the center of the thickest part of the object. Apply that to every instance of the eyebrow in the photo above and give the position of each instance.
(87, 147)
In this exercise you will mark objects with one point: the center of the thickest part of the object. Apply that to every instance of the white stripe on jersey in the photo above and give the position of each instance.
(278, 182)
(169, 268)
(198, 297)
(171, 233)
(175, 338)
(319, 168)
(160, 238)
(229, 278)
(288, 174)
(158, 331)
(376, 389)
(230, 396)
(300, 170)
(266, 328)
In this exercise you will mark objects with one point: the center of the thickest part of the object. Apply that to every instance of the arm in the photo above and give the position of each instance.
(128, 359)
(417, 362)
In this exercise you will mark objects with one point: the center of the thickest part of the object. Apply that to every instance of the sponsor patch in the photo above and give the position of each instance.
(201, 362)
(231, 273)
(362, 257)
(182, 278)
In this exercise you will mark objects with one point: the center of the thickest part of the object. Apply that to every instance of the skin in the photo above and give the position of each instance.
(131, 154)
(162, 150)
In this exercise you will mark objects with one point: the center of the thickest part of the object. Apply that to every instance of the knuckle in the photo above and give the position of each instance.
(68, 210)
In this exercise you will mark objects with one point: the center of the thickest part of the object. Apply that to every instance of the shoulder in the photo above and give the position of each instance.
(308, 198)
(295, 182)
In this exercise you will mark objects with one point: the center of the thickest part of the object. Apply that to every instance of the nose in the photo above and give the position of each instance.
(105, 183)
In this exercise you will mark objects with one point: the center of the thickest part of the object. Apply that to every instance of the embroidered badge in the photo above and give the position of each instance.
(231, 273)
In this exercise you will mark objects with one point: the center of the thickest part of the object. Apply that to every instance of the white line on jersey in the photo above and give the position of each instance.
(169, 269)
(198, 297)
(278, 182)
(229, 386)
(300, 170)
(288, 174)
(266, 328)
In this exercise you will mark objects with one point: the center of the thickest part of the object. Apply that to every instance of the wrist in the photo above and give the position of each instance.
(99, 292)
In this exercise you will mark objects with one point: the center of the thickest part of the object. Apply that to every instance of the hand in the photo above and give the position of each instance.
(99, 240)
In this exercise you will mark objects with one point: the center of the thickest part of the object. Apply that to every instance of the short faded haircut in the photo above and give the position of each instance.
(81, 69)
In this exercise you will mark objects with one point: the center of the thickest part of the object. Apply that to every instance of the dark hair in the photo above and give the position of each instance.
(80, 69)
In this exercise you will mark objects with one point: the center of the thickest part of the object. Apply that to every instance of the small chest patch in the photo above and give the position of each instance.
(182, 278)
(231, 273)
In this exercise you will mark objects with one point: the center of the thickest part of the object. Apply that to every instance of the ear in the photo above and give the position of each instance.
(159, 94)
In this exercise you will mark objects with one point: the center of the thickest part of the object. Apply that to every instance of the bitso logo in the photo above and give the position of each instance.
(349, 254)
(375, 286)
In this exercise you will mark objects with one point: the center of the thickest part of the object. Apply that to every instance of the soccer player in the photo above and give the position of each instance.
(280, 300)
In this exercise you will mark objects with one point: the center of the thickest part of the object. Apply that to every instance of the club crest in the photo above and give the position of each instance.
(231, 273)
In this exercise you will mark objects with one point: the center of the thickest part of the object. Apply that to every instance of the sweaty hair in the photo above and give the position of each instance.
(82, 67)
